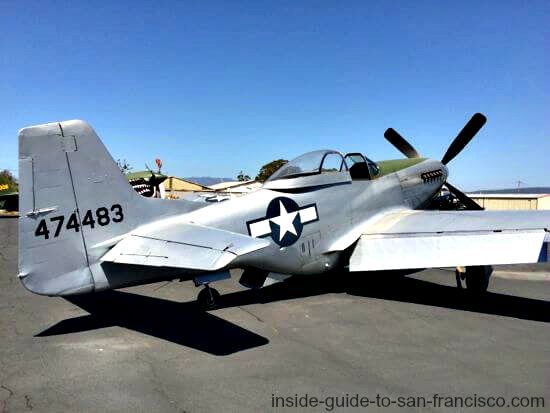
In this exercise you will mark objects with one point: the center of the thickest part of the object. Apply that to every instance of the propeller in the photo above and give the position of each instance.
(464, 137)
(468, 202)
(401, 143)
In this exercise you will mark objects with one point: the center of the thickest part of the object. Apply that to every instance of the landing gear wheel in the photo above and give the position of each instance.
(477, 279)
(208, 298)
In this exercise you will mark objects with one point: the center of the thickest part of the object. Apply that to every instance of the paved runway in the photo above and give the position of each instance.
(149, 348)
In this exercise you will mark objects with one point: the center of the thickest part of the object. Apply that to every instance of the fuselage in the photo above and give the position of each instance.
(83, 228)
(336, 213)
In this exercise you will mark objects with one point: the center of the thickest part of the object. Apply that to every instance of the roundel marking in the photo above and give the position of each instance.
(284, 221)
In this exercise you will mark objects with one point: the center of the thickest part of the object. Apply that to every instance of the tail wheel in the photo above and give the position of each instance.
(208, 298)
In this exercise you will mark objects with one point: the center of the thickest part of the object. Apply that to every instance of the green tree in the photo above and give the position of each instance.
(7, 178)
(243, 177)
(269, 168)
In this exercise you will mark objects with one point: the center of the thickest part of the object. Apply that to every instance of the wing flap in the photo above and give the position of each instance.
(424, 239)
(375, 252)
(183, 245)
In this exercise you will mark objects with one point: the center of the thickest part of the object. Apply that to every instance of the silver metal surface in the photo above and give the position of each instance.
(432, 250)
(112, 237)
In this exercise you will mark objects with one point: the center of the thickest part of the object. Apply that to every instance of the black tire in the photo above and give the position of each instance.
(208, 298)
(477, 279)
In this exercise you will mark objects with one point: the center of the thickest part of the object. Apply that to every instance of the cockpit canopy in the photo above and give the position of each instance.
(311, 163)
(361, 167)
(322, 167)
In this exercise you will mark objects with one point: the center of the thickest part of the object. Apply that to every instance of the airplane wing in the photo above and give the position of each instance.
(424, 239)
(183, 245)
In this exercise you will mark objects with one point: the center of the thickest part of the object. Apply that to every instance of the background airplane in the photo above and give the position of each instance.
(8, 192)
(146, 183)
(83, 228)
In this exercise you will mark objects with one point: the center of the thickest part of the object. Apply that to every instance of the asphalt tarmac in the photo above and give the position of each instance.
(149, 348)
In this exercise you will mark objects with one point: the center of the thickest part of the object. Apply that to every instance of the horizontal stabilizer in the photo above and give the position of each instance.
(183, 245)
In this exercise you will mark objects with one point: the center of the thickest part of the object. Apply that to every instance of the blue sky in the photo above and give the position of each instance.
(215, 87)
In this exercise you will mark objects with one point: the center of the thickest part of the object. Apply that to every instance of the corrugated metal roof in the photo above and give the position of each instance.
(510, 195)
(231, 184)
(520, 190)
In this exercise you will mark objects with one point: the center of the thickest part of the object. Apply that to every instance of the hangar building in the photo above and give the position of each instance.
(177, 187)
(512, 200)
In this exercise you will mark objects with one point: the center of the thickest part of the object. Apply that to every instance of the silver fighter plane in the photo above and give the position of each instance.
(83, 229)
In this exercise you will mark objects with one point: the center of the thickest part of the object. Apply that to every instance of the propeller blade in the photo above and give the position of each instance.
(400, 143)
(464, 137)
(468, 202)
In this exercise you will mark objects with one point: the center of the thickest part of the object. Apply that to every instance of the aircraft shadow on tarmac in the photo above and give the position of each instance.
(185, 324)
(180, 323)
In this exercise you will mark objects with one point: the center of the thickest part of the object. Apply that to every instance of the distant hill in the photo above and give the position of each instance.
(208, 180)
(526, 190)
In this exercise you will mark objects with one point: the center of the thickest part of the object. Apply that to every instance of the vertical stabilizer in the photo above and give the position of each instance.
(74, 205)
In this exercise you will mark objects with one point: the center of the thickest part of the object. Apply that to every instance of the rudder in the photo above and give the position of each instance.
(73, 198)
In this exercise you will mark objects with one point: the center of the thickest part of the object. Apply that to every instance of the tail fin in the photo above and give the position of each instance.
(74, 203)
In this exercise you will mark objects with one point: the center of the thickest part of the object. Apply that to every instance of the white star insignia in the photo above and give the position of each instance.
(285, 221)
